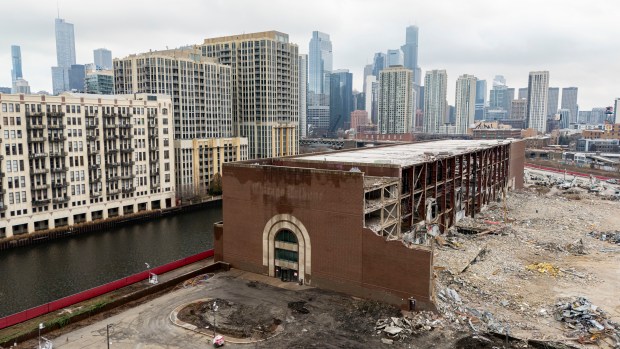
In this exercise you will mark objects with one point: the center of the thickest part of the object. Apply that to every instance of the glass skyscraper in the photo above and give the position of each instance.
(410, 51)
(16, 58)
(65, 55)
(103, 58)
(319, 63)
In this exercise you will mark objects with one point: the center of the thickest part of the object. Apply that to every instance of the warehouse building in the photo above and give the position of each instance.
(360, 221)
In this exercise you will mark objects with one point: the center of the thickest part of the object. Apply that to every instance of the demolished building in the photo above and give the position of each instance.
(360, 221)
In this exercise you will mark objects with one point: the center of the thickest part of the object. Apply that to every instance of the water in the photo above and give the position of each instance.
(34, 275)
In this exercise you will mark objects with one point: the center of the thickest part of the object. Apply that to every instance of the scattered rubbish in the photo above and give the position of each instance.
(387, 341)
(398, 328)
(613, 237)
(586, 322)
(544, 268)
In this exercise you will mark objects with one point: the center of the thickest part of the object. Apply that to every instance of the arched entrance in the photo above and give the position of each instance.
(286, 249)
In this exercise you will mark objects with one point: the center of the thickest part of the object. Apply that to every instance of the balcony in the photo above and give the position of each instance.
(93, 151)
(113, 191)
(126, 116)
(32, 114)
(126, 150)
(36, 139)
(127, 190)
(92, 126)
(93, 167)
(109, 126)
(111, 137)
(58, 154)
(152, 125)
(155, 148)
(36, 156)
(154, 161)
(155, 172)
(2, 208)
(113, 163)
(36, 171)
(94, 179)
(113, 178)
(128, 176)
(128, 163)
(58, 138)
(155, 185)
(125, 126)
(152, 136)
(59, 169)
(61, 200)
(31, 126)
(56, 114)
(39, 186)
(126, 136)
(58, 185)
(91, 138)
(40, 202)
(56, 126)
(2, 191)
(95, 195)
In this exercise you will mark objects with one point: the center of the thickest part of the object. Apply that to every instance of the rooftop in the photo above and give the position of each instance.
(404, 154)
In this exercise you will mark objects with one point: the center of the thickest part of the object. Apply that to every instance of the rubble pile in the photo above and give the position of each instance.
(463, 317)
(612, 237)
(544, 268)
(586, 321)
(395, 328)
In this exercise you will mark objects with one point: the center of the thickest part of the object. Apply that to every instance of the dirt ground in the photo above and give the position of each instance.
(534, 226)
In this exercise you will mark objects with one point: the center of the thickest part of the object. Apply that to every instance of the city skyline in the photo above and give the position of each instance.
(541, 42)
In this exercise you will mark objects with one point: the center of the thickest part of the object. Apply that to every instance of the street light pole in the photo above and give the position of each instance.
(107, 334)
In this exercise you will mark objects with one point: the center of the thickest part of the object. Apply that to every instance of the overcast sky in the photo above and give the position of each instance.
(577, 41)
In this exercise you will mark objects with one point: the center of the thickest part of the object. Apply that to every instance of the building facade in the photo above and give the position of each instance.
(320, 63)
(435, 91)
(410, 53)
(395, 57)
(378, 208)
(197, 161)
(103, 59)
(340, 100)
(518, 109)
(395, 100)
(65, 55)
(553, 100)
(569, 101)
(16, 61)
(100, 82)
(537, 99)
(78, 158)
(303, 96)
(481, 98)
(267, 112)
(465, 105)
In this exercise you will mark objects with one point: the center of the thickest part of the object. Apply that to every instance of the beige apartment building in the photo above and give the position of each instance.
(199, 160)
(78, 158)
(265, 89)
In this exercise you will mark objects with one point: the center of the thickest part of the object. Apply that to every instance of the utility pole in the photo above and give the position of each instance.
(107, 334)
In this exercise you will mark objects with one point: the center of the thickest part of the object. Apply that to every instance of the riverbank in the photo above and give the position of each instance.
(102, 224)
(131, 295)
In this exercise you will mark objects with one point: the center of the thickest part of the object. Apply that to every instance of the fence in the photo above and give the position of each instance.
(98, 291)
(572, 173)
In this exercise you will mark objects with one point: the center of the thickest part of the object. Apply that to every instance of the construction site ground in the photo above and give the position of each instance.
(498, 280)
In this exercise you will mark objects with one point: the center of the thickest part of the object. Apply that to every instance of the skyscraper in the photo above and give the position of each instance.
(102, 58)
(394, 57)
(523, 93)
(303, 95)
(554, 96)
(395, 100)
(77, 75)
(537, 99)
(340, 100)
(435, 105)
(617, 111)
(379, 63)
(371, 97)
(270, 122)
(569, 101)
(481, 98)
(65, 55)
(320, 62)
(16, 59)
(410, 51)
(465, 102)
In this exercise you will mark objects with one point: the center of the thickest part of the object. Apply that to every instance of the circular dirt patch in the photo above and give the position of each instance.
(231, 319)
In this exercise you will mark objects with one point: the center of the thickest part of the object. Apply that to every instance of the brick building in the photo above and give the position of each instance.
(359, 221)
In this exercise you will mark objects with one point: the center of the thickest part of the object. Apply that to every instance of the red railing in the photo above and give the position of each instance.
(98, 291)
(572, 173)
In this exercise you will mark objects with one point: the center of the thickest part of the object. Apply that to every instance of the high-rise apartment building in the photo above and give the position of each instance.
(537, 99)
(564, 118)
(569, 101)
(265, 88)
(78, 158)
(481, 98)
(396, 100)
(65, 55)
(16, 60)
(371, 97)
(199, 87)
(395, 57)
(410, 51)
(201, 95)
(340, 100)
(553, 99)
(303, 95)
(465, 105)
(435, 91)
(103, 59)
(518, 109)
(100, 82)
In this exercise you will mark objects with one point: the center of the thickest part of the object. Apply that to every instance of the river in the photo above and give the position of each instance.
(34, 275)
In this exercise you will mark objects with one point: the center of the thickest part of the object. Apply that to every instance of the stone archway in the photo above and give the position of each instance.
(287, 222)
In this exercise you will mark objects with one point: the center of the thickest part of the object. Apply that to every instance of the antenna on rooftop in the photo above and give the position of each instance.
(58, 7)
